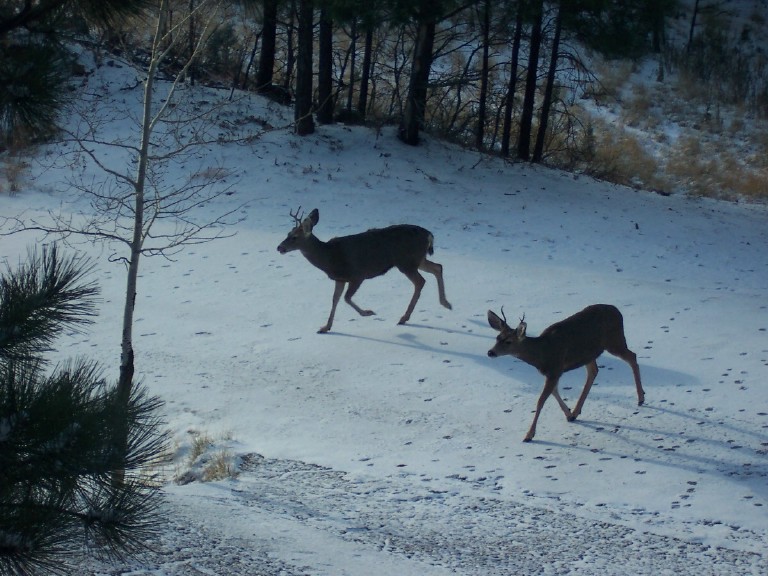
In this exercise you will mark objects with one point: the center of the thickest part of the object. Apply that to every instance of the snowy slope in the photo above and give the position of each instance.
(386, 449)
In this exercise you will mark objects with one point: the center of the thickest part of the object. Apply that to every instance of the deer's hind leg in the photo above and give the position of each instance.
(631, 358)
(418, 284)
(437, 270)
(591, 375)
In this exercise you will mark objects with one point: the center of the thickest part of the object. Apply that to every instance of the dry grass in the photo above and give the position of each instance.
(707, 169)
(619, 157)
(12, 171)
(675, 136)
(220, 467)
(207, 461)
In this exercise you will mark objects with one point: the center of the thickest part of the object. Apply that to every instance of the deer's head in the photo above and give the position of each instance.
(509, 340)
(300, 232)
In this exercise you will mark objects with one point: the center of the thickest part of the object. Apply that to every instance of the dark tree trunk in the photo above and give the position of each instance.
(303, 107)
(416, 101)
(482, 104)
(546, 105)
(365, 74)
(352, 61)
(290, 57)
(268, 36)
(244, 84)
(192, 43)
(509, 103)
(529, 100)
(325, 103)
(693, 25)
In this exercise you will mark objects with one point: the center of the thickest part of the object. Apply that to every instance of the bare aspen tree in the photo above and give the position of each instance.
(130, 206)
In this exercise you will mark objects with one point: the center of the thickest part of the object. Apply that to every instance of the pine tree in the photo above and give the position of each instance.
(58, 430)
(35, 63)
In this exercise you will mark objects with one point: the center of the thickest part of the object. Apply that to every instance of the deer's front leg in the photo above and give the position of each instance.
(353, 286)
(549, 385)
(336, 295)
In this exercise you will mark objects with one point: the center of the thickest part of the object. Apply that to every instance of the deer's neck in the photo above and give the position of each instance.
(534, 351)
(318, 253)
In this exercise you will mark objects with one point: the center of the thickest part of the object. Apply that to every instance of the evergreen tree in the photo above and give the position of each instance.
(57, 431)
(34, 63)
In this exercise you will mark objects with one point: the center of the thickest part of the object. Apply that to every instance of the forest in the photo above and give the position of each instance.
(519, 79)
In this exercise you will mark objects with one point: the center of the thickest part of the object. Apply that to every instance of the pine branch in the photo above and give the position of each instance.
(41, 299)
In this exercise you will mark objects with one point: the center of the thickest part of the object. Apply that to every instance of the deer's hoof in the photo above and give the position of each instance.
(324, 330)
(367, 313)
(572, 418)
(527, 438)
(447, 304)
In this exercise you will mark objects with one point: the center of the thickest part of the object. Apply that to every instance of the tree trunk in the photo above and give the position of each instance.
(192, 43)
(529, 100)
(693, 25)
(325, 104)
(290, 57)
(268, 37)
(483, 98)
(303, 107)
(365, 74)
(125, 380)
(509, 103)
(546, 105)
(416, 101)
(352, 62)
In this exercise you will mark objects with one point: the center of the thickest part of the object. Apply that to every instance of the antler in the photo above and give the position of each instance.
(297, 216)
(503, 316)
(522, 320)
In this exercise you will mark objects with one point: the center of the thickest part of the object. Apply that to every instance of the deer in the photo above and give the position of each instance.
(566, 345)
(350, 260)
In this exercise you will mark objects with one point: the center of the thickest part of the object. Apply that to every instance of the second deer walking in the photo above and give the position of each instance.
(358, 257)
(566, 345)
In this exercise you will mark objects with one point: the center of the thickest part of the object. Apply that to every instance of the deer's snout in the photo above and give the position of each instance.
(492, 354)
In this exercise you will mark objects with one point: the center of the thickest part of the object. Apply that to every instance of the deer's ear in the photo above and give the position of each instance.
(494, 321)
(309, 222)
(521, 330)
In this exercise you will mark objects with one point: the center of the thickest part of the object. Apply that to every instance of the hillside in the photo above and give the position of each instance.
(386, 449)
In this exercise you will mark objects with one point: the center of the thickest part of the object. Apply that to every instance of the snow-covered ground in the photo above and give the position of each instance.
(380, 449)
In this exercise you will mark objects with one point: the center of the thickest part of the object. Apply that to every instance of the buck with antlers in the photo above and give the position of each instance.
(566, 345)
(358, 257)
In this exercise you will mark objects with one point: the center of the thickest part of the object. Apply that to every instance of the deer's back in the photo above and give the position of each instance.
(374, 252)
(581, 338)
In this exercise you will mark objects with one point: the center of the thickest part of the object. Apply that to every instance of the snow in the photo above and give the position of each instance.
(380, 449)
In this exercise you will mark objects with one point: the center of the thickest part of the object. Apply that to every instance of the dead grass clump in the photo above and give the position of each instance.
(206, 461)
(638, 111)
(621, 158)
(12, 171)
(747, 181)
(704, 170)
(220, 467)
